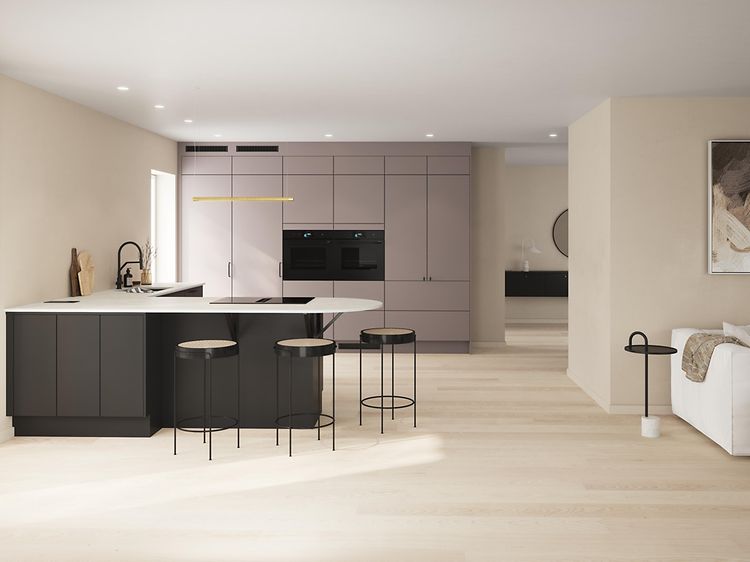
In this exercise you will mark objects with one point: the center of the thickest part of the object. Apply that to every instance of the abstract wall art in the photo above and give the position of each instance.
(729, 206)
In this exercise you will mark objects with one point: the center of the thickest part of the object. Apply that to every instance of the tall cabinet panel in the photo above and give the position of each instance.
(448, 228)
(256, 237)
(78, 365)
(358, 199)
(405, 228)
(313, 199)
(123, 365)
(34, 365)
(206, 240)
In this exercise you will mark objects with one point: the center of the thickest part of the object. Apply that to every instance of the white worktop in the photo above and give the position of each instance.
(118, 301)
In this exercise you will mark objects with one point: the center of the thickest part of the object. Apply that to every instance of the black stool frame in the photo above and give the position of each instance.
(207, 355)
(304, 352)
(383, 340)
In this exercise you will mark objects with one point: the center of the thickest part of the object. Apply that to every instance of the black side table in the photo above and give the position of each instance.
(649, 426)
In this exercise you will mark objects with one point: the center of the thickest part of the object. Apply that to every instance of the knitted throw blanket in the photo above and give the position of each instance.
(697, 354)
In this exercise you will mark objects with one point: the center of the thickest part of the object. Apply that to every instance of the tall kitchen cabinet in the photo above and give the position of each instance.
(337, 193)
(233, 247)
(427, 233)
(418, 193)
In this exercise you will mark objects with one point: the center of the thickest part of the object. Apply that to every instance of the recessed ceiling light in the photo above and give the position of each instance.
(328, 135)
(188, 120)
(553, 135)
(429, 135)
(123, 88)
(158, 106)
(217, 135)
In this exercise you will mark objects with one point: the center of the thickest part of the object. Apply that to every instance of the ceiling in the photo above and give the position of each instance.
(504, 71)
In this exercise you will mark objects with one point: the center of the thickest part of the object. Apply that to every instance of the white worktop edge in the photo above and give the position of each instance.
(117, 301)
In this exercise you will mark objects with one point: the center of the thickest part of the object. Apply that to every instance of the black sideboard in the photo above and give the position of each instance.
(536, 283)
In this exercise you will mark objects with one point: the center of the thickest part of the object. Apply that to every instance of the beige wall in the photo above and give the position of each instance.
(589, 300)
(534, 197)
(659, 175)
(487, 243)
(69, 177)
(656, 264)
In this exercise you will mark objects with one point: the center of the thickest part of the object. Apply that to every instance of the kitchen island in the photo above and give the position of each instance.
(103, 365)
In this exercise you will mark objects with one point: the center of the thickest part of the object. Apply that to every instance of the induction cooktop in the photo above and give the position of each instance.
(263, 300)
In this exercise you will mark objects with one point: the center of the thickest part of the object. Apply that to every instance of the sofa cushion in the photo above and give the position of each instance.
(742, 333)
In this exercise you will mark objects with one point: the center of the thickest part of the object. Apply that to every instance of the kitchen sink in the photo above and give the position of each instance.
(138, 289)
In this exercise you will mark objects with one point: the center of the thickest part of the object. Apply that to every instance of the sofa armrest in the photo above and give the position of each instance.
(680, 336)
(678, 380)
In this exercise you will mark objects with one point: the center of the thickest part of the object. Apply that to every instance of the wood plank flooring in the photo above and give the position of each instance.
(510, 461)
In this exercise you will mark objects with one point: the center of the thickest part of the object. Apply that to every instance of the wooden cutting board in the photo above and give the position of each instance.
(86, 275)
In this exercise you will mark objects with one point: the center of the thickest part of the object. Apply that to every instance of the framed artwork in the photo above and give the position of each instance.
(729, 206)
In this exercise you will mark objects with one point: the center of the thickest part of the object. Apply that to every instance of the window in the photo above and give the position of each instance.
(163, 227)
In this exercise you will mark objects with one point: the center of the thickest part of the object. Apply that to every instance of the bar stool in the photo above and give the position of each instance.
(207, 350)
(304, 348)
(382, 337)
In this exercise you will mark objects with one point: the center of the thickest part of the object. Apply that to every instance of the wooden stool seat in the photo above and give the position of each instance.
(306, 347)
(206, 349)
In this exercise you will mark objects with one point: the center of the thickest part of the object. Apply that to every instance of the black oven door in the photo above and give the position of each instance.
(334, 255)
(359, 260)
(307, 255)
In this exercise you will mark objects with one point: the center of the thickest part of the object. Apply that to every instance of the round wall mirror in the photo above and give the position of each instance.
(560, 233)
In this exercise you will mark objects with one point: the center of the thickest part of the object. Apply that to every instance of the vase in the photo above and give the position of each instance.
(146, 277)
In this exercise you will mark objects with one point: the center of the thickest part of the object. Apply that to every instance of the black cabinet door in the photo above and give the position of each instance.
(34, 365)
(123, 365)
(78, 365)
(536, 283)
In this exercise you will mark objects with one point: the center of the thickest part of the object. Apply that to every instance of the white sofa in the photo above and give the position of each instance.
(719, 407)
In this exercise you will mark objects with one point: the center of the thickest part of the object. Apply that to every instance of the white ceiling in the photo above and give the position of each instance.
(466, 70)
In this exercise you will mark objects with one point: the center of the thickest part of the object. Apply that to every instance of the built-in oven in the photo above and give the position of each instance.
(338, 255)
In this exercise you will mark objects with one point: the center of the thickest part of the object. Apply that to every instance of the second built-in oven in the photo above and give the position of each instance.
(338, 255)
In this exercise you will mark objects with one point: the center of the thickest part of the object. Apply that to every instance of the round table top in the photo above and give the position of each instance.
(652, 349)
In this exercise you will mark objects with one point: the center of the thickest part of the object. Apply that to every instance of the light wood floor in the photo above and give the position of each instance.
(511, 461)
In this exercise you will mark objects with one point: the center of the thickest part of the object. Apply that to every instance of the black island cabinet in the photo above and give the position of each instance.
(111, 374)
(81, 374)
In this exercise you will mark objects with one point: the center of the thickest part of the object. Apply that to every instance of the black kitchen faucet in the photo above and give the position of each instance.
(120, 265)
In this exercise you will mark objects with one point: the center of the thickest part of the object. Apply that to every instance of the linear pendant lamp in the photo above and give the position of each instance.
(243, 199)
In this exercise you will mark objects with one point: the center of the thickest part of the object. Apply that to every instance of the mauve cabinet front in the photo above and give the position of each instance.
(448, 219)
(253, 165)
(435, 295)
(313, 199)
(405, 228)
(206, 234)
(256, 235)
(358, 165)
(308, 164)
(206, 165)
(432, 325)
(358, 199)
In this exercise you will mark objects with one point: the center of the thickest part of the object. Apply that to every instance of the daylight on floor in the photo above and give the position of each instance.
(347, 281)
